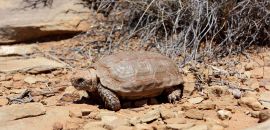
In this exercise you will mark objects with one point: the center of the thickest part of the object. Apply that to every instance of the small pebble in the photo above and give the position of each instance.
(57, 126)
(264, 115)
(224, 114)
(86, 112)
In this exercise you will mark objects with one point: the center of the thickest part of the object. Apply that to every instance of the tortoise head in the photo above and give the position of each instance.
(85, 80)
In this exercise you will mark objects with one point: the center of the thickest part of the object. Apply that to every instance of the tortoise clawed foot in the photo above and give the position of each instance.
(113, 105)
(174, 96)
(110, 99)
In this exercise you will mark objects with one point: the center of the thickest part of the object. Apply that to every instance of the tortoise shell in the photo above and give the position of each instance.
(134, 75)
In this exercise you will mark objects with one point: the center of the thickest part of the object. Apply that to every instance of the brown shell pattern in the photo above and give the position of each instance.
(137, 73)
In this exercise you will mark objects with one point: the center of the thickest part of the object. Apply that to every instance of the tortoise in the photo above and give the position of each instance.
(131, 76)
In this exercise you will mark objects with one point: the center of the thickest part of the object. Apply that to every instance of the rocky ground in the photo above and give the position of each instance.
(36, 93)
(232, 93)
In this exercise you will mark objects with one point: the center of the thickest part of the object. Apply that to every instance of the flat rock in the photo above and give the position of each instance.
(30, 80)
(116, 123)
(150, 116)
(71, 94)
(261, 126)
(179, 126)
(251, 102)
(264, 115)
(18, 77)
(94, 115)
(217, 127)
(22, 23)
(44, 122)
(194, 114)
(143, 127)
(175, 121)
(112, 121)
(31, 65)
(95, 128)
(195, 100)
(199, 127)
(108, 117)
(17, 91)
(19, 111)
(134, 120)
(207, 105)
(167, 113)
(93, 125)
(75, 113)
(72, 125)
(106, 113)
(187, 106)
(264, 99)
(98, 115)
(17, 50)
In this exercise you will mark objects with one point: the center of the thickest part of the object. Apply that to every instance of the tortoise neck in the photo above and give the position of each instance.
(94, 77)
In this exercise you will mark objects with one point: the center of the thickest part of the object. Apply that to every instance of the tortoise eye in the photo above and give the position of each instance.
(80, 80)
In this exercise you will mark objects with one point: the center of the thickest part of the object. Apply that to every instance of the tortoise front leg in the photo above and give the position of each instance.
(174, 93)
(110, 99)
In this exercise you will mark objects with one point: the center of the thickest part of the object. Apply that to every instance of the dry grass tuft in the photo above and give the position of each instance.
(191, 28)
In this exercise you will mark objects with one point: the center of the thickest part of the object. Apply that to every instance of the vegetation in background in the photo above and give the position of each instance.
(193, 29)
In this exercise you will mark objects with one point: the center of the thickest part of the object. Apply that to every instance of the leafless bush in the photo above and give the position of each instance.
(102, 6)
(194, 28)
(37, 3)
